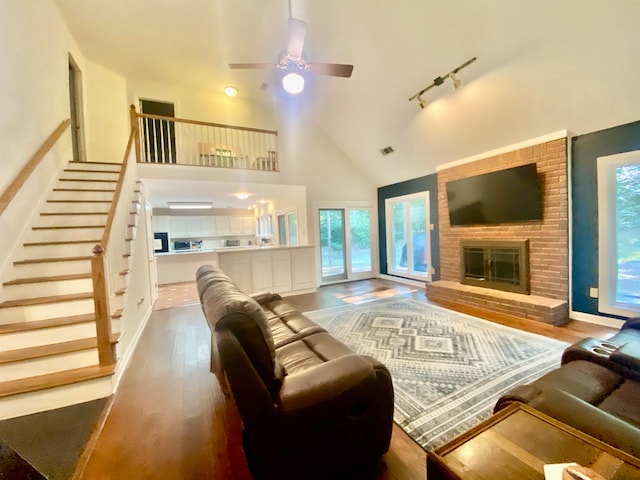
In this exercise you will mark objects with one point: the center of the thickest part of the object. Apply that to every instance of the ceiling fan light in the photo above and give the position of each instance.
(230, 91)
(293, 83)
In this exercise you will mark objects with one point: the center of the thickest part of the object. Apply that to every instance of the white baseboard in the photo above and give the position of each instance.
(407, 281)
(123, 362)
(596, 319)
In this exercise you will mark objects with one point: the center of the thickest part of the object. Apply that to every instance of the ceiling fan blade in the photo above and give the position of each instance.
(252, 65)
(295, 42)
(333, 69)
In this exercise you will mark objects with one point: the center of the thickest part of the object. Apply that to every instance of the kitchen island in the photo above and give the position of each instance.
(286, 270)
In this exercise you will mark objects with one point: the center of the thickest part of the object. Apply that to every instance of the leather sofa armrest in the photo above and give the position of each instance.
(627, 355)
(589, 419)
(324, 382)
(265, 297)
(521, 394)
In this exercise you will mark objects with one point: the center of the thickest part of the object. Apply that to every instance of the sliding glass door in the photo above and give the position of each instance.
(408, 243)
(345, 243)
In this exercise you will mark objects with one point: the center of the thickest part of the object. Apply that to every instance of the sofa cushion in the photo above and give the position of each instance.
(586, 380)
(624, 402)
(310, 352)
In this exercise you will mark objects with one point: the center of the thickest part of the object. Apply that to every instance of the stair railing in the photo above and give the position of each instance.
(20, 179)
(111, 256)
(178, 141)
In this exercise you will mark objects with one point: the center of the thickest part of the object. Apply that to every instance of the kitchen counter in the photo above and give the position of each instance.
(278, 268)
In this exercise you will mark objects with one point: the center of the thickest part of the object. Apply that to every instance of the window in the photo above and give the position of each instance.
(408, 242)
(619, 234)
(288, 227)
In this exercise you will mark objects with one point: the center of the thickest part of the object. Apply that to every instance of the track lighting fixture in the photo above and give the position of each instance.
(452, 75)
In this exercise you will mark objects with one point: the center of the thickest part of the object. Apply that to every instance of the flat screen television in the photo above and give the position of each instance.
(512, 195)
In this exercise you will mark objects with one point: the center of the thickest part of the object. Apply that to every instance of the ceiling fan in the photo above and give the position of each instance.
(294, 64)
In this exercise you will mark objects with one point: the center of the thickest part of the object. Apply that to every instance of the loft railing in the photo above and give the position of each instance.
(110, 262)
(170, 140)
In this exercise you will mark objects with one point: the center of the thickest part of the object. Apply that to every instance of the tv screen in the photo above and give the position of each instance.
(506, 196)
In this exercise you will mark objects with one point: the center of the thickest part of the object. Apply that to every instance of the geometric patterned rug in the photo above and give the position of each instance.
(448, 368)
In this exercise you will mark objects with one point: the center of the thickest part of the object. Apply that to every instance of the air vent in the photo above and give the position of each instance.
(386, 151)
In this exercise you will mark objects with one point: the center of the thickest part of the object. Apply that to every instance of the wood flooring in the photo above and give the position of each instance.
(170, 420)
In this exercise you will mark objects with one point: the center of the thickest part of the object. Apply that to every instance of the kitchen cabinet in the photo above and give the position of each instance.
(235, 225)
(261, 268)
(249, 226)
(221, 225)
(237, 265)
(303, 269)
(178, 227)
(160, 223)
(281, 271)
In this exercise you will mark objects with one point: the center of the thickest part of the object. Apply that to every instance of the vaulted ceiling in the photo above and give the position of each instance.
(542, 66)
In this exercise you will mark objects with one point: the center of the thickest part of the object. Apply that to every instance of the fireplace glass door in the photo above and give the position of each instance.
(495, 264)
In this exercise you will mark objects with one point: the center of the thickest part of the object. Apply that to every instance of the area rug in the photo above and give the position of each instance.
(448, 368)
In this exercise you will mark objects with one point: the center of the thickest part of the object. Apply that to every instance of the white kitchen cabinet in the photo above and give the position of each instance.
(235, 225)
(281, 271)
(178, 227)
(248, 226)
(261, 268)
(237, 265)
(207, 226)
(160, 223)
(303, 269)
(221, 224)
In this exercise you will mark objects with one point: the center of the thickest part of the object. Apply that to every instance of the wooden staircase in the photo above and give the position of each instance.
(48, 344)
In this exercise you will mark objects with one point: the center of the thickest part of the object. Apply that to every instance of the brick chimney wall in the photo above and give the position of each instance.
(548, 240)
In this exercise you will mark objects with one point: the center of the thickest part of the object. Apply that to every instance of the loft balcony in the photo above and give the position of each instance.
(178, 141)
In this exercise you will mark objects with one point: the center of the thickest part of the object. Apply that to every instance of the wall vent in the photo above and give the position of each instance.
(386, 151)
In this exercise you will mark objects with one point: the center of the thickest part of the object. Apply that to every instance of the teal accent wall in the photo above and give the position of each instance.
(585, 150)
(427, 183)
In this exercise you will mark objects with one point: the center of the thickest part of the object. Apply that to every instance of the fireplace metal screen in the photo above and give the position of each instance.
(503, 265)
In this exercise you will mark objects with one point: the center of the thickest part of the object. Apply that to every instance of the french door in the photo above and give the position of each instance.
(408, 242)
(345, 243)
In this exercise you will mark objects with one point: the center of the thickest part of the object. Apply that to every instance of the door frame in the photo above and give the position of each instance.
(76, 111)
(373, 232)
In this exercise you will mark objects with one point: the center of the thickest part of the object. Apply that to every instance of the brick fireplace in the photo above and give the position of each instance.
(547, 240)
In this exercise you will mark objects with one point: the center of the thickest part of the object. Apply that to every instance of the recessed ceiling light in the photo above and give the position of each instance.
(241, 196)
(230, 91)
(189, 205)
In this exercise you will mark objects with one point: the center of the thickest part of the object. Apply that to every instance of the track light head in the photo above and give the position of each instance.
(455, 81)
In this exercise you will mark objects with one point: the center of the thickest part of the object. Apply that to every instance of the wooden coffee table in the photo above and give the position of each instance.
(517, 442)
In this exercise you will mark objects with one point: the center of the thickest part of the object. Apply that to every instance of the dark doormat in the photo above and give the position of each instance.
(51, 442)
(13, 466)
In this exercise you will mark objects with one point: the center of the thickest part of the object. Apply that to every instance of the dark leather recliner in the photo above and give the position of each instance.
(596, 389)
(310, 407)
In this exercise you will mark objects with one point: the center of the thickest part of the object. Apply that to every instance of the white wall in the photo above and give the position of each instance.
(35, 45)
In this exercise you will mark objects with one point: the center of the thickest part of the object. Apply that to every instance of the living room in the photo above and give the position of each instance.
(568, 72)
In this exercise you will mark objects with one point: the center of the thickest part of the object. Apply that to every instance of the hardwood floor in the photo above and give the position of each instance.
(169, 418)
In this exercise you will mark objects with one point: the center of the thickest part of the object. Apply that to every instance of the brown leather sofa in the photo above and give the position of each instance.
(310, 407)
(596, 389)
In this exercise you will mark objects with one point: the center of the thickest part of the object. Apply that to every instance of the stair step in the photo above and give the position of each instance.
(31, 261)
(118, 313)
(65, 227)
(87, 164)
(51, 380)
(78, 201)
(65, 242)
(54, 278)
(47, 350)
(91, 190)
(23, 302)
(99, 180)
(88, 170)
(48, 323)
(47, 214)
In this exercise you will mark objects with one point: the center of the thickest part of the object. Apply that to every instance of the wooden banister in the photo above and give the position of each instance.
(206, 124)
(116, 196)
(135, 130)
(106, 350)
(17, 183)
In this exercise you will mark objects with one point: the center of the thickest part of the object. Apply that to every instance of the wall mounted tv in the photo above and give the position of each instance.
(512, 195)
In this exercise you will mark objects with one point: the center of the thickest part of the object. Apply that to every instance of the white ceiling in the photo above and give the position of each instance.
(543, 66)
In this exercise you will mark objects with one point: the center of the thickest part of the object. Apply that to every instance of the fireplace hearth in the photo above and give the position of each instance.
(497, 264)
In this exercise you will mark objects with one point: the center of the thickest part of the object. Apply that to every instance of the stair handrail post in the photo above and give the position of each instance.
(135, 130)
(106, 349)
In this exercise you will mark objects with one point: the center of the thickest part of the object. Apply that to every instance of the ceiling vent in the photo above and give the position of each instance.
(386, 151)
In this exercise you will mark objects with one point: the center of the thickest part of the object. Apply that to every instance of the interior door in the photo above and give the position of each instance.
(160, 135)
(75, 111)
